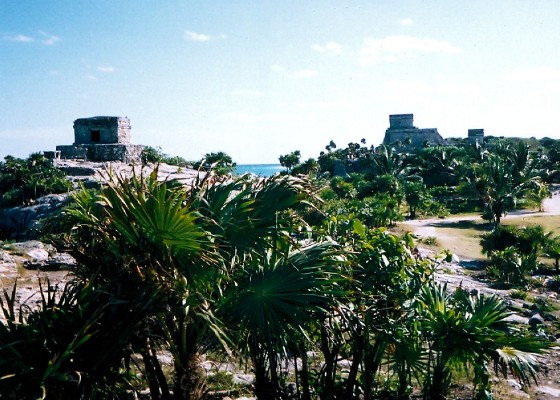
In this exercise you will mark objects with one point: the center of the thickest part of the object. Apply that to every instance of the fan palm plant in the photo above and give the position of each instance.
(141, 236)
(464, 330)
(276, 294)
(183, 244)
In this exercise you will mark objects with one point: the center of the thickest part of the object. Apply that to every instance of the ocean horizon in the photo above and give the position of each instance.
(264, 170)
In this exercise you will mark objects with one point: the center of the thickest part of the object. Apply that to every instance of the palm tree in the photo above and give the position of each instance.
(140, 237)
(552, 249)
(275, 295)
(501, 184)
(184, 246)
(439, 166)
(464, 330)
(389, 162)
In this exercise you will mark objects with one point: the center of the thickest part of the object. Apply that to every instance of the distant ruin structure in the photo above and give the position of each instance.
(476, 136)
(403, 134)
(102, 139)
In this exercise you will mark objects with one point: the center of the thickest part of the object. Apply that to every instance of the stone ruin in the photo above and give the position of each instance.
(101, 139)
(476, 136)
(403, 134)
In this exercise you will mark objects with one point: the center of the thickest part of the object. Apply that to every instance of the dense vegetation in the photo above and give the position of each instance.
(219, 162)
(382, 185)
(493, 178)
(23, 180)
(249, 269)
(294, 277)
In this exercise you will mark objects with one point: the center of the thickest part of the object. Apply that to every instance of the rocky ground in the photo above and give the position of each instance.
(91, 173)
(27, 263)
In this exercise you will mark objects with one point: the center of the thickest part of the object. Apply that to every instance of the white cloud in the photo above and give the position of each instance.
(91, 77)
(49, 40)
(406, 21)
(19, 38)
(248, 93)
(196, 37)
(106, 68)
(393, 48)
(299, 74)
(331, 48)
(544, 73)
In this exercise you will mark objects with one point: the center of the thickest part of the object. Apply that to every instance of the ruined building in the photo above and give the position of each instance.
(476, 136)
(102, 139)
(404, 135)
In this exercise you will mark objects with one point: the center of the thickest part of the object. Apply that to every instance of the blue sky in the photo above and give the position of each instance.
(258, 79)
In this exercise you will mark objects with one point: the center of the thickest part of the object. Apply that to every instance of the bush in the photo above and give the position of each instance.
(156, 155)
(509, 267)
(519, 294)
(23, 180)
(499, 239)
(219, 162)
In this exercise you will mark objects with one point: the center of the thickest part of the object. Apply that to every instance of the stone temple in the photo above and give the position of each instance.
(102, 139)
(476, 136)
(402, 131)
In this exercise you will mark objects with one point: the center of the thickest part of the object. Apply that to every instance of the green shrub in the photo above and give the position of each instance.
(430, 240)
(23, 180)
(220, 380)
(156, 155)
(519, 294)
(510, 267)
(499, 239)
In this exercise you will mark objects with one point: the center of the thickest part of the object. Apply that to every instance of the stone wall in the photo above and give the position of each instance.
(102, 130)
(401, 121)
(127, 153)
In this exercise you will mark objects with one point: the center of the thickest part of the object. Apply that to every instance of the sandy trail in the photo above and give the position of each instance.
(427, 227)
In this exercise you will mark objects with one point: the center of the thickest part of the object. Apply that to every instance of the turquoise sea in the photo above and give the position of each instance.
(258, 169)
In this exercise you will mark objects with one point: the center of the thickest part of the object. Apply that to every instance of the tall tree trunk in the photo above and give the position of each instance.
(306, 395)
(190, 380)
(372, 363)
(357, 356)
(329, 368)
(265, 388)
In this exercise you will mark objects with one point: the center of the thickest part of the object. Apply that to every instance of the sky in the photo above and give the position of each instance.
(258, 79)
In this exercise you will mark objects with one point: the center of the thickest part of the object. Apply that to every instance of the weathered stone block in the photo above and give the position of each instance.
(102, 130)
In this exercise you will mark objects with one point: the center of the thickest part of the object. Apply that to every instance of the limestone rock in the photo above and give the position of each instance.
(536, 320)
(25, 222)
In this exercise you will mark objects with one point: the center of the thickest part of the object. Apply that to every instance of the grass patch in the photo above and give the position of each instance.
(220, 380)
(462, 236)
(550, 223)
